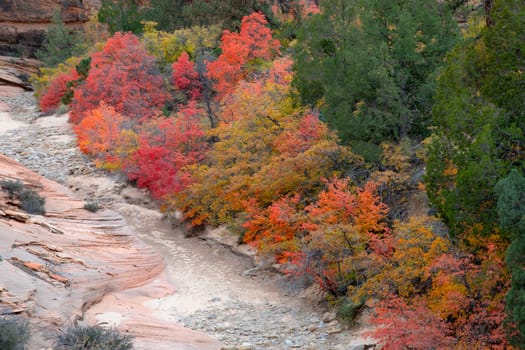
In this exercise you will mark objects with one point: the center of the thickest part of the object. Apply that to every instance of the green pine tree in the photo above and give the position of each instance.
(370, 65)
(511, 212)
(60, 43)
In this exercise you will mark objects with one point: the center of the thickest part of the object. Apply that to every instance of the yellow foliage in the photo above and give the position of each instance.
(167, 47)
(416, 246)
(41, 80)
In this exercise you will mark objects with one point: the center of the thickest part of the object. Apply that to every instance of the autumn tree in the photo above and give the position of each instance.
(251, 157)
(241, 53)
(186, 78)
(402, 325)
(57, 89)
(166, 147)
(122, 75)
(98, 135)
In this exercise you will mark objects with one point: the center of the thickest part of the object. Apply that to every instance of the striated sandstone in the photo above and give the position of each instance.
(55, 279)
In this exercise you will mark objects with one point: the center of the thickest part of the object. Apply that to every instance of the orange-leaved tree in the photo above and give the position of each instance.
(98, 135)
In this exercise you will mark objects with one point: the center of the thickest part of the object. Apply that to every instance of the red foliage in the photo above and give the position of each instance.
(185, 77)
(52, 97)
(292, 142)
(409, 326)
(254, 41)
(123, 75)
(167, 145)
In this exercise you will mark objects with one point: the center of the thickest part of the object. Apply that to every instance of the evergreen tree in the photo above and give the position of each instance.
(479, 114)
(60, 43)
(121, 16)
(511, 212)
(370, 65)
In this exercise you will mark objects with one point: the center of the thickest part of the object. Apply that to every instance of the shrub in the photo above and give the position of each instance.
(31, 202)
(14, 334)
(93, 338)
(12, 187)
(348, 310)
(92, 207)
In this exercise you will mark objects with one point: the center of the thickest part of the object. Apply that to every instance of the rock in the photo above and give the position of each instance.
(329, 317)
(59, 278)
(24, 22)
(33, 266)
(334, 330)
(18, 216)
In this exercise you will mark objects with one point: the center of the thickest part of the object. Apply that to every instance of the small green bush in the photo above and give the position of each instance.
(12, 187)
(14, 334)
(31, 202)
(92, 207)
(348, 310)
(93, 338)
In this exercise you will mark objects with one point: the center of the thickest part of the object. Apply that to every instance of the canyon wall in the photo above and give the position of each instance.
(24, 22)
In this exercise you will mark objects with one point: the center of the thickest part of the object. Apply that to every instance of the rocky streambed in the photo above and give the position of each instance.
(217, 291)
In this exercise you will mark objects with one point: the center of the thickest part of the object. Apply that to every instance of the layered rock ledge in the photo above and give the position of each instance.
(24, 22)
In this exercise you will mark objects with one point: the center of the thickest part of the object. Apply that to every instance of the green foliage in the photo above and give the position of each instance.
(14, 334)
(93, 338)
(121, 16)
(30, 201)
(92, 207)
(370, 66)
(479, 121)
(511, 212)
(347, 310)
(60, 43)
(171, 15)
(12, 187)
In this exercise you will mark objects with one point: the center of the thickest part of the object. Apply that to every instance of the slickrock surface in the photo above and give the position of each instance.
(55, 267)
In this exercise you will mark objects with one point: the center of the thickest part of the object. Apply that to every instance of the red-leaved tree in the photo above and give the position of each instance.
(52, 97)
(185, 77)
(253, 42)
(123, 75)
(166, 146)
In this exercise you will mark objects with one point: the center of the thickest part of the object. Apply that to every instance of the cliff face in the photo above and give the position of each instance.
(24, 22)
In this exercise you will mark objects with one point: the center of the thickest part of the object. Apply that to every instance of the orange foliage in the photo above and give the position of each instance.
(98, 135)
